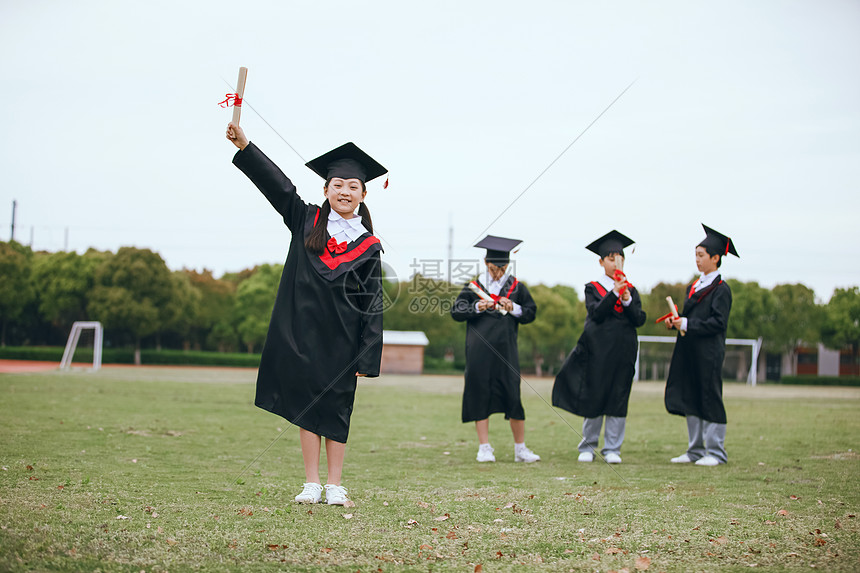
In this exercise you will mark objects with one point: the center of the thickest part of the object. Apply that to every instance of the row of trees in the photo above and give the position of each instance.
(142, 303)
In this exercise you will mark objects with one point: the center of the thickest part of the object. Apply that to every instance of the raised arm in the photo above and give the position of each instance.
(262, 171)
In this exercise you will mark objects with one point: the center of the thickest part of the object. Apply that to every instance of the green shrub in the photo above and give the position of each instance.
(810, 380)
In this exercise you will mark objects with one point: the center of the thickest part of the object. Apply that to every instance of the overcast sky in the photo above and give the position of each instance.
(744, 116)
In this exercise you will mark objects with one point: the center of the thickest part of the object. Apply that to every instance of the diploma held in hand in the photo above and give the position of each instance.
(674, 311)
(484, 296)
(240, 93)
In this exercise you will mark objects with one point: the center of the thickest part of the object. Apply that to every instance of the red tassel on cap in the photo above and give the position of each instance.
(385, 185)
(729, 242)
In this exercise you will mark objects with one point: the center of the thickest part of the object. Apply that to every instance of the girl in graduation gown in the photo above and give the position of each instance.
(597, 376)
(326, 325)
(492, 376)
(694, 388)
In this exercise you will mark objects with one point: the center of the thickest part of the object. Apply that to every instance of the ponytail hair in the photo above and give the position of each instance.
(315, 243)
(364, 213)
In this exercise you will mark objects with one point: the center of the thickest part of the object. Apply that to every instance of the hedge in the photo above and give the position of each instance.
(126, 356)
(811, 380)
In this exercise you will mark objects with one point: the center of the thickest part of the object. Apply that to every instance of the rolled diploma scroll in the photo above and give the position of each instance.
(240, 93)
(484, 296)
(674, 312)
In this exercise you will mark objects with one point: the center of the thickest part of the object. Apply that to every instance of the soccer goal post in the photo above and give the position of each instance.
(753, 343)
(75, 337)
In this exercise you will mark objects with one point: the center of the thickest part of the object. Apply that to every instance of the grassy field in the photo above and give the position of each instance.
(157, 469)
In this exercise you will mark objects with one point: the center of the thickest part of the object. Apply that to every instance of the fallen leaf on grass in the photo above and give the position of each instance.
(642, 563)
(425, 546)
(30, 468)
(782, 512)
(595, 557)
(411, 523)
(442, 517)
(273, 547)
(837, 525)
(61, 487)
(569, 551)
(423, 504)
(794, 497)
(171, 541)
(245, 511)
(612, 551)
(510, 505)
(385, 503)
(347, 516)
(325, 549)
(34, 478)
(768, 522)
(819, 542)
(721, 540)
(349, 503)
(479, 568)
(121, 517)
(451, 535)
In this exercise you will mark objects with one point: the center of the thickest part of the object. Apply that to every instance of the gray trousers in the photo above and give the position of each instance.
(706, 439)
(612, 437)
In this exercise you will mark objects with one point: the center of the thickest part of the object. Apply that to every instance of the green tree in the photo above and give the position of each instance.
(181, 312)
(217, 299)
(63, 282)
(654, 304)
(131, 289)
(16, 290)
(255, 298)
(798, 319)
(841, 324)
(551, 336)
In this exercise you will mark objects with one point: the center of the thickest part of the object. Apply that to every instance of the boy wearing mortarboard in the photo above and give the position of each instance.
(597, 376)
(493, 306)
(695, 385)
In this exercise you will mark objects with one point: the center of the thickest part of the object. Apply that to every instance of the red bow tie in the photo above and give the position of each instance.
(335, 247)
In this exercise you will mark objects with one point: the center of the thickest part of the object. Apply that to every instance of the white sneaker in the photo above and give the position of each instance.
(524, 454)
(335, 494)
(682, 459)
(612, 458)
(485, 453)
(585, 457)
(707, 461)
(311, 493)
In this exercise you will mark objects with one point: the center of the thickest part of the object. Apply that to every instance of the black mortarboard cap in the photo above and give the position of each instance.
(347, 162)
(611, 242)
(717, 244)
(498, 248)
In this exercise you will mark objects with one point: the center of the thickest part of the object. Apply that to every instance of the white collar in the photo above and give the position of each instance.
(494, 287)
(706, 279)
(345, 229)
(607, 282)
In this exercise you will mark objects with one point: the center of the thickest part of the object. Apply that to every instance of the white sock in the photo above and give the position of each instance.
(484, 446)
(519, 447)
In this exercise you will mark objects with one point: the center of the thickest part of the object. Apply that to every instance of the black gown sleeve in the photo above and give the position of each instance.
(276, 186)
(527, 303)
(633, 311)
(717, 320)
(370, 336)
(599, 308)
(464, 305)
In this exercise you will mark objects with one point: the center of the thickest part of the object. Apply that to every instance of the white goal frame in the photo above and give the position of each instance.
(75, 336)
(755, 343)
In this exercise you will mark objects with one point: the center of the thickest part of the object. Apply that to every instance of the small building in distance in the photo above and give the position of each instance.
(403, 351)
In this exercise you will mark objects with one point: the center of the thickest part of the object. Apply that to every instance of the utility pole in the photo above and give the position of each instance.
(14, 207)
(450, 243)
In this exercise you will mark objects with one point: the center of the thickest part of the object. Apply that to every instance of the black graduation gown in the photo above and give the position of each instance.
(327, 321)
(492, 359)
(695, 383)
(597, 375)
